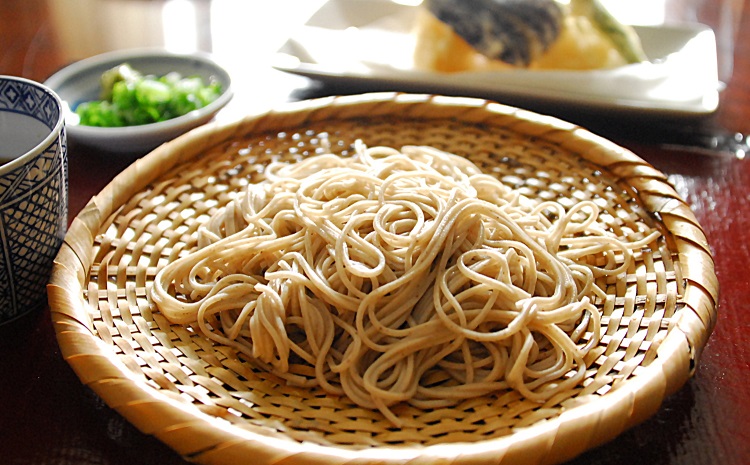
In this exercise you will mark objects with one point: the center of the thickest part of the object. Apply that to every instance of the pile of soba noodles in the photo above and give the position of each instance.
(399, 276)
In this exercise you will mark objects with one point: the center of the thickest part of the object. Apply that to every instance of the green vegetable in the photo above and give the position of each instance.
(129, 98)
(623, 38)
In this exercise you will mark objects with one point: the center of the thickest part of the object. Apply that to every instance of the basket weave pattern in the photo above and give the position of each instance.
(213, 406)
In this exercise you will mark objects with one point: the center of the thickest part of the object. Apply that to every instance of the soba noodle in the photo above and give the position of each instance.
(399, 276)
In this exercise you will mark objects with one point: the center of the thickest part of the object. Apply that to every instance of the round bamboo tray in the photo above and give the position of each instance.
(213, 406)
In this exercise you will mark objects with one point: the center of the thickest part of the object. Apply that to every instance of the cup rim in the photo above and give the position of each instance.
(47, 141)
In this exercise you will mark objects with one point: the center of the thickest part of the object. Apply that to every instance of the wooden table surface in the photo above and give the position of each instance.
(47, 416)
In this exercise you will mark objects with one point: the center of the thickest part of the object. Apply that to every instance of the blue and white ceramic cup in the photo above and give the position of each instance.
(33, 193)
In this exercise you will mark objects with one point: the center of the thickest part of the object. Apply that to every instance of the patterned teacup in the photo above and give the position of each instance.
(33, 193)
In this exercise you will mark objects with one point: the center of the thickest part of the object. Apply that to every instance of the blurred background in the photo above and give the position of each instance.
(244, 35)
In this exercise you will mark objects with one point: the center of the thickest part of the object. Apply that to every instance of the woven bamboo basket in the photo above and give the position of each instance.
(213, 407)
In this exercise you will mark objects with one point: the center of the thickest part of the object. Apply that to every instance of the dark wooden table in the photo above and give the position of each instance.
(48, 417)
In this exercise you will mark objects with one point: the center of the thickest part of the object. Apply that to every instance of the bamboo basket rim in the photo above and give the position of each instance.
(204, 438)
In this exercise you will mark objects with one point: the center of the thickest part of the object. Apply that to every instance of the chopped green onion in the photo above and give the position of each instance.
(129, 98)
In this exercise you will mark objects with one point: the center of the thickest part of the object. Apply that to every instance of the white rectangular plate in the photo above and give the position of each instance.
(370, 43)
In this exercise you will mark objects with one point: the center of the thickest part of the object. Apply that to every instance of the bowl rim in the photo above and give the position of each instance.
(72, 70)
(54, 133)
